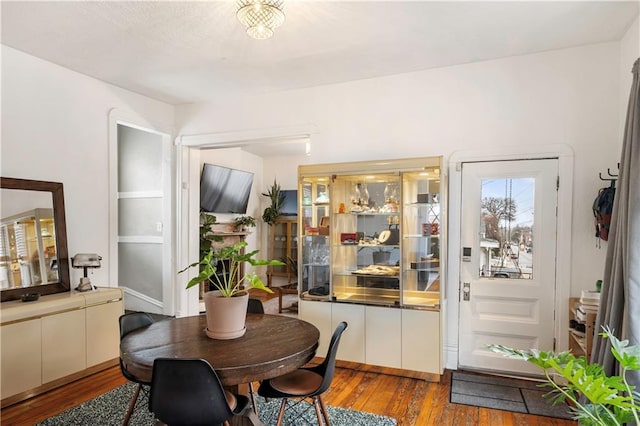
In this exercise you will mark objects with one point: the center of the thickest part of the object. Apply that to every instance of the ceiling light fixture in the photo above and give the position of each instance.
(260, 17)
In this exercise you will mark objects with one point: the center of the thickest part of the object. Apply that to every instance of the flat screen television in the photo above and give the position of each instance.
(224, 190)
(290, 205)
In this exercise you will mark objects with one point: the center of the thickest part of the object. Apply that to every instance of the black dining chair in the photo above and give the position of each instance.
(306, 383)
(189, 392)
(254, 306)
(128, 323)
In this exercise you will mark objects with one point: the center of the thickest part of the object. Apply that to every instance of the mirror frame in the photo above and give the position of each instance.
(64, 281)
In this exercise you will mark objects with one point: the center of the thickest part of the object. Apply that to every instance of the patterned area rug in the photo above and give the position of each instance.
(503, 393)
(109, 408)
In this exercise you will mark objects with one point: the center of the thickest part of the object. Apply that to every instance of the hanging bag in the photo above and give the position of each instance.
(602, 208)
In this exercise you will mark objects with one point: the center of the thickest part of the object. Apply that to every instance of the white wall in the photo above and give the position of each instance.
(566, 96)
(55, 128)
(629, 53)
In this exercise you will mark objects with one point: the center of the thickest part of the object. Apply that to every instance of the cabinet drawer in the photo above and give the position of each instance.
(63, 345)
(382, 336)
(421, 341)
(103, 332)
(21, 356)
(351, 346)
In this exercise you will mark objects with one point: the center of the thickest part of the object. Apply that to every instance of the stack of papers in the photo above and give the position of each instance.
(589, 304)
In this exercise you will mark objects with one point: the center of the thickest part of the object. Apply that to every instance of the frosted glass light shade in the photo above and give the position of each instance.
(260, 17)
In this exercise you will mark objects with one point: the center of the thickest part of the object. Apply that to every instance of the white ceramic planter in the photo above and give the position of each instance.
(226, 316)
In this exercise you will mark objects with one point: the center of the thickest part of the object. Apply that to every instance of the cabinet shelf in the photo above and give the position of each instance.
(580, 343)
(433, 269)
(578, 339)
(356, 274)
(368, 214)
(421, 204)
(379, 247)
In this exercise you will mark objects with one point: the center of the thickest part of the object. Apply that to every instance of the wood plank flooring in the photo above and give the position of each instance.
(410, 401)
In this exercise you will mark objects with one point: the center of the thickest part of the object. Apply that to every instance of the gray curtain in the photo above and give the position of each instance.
(620, 298)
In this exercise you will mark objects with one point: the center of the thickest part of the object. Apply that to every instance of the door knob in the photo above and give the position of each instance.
(466, 291)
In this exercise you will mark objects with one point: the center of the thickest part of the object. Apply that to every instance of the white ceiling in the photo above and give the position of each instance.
(182, 52)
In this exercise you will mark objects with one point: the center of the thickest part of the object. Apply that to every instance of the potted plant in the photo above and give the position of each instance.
(611, 400)
(226, 307)
(271, 213)
(243, 223)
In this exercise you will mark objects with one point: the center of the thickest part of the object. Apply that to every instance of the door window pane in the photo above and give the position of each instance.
(506, 228)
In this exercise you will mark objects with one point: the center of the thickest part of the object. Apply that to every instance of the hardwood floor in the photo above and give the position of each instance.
(410, 401)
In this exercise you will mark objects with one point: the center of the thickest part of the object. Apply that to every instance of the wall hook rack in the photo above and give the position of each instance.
(611, 177)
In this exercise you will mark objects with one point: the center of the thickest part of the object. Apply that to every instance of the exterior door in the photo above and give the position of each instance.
(508, 269)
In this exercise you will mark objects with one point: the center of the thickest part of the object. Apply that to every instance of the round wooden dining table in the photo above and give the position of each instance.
(273, 345)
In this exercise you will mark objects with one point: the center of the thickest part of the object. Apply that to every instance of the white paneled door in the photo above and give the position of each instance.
(143, 215)
(508, 269)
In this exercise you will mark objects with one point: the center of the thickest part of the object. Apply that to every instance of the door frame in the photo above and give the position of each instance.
(187, 186)
(136, 121)
(564, 154)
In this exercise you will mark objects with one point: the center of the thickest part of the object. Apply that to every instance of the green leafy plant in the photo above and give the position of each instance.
(244, 221)
(611, 400)
(291, 264)
(206, 233)
(271, 213)
(229, 283)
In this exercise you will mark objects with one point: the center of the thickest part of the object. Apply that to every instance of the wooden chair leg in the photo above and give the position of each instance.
(252, 395)
(319, 415)
(132, 405)
(325, 413)
(283, 406)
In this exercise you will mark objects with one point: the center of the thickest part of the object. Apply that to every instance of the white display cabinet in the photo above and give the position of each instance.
(371, 235)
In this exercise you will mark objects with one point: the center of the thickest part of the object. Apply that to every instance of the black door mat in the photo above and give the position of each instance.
(503, 393)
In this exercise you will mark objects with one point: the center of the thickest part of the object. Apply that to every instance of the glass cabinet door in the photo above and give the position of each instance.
(314, 277)
(370, 232)
(283, 246)
(366, 241)
(421, 238)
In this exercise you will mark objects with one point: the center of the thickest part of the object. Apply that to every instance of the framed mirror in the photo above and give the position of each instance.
(33, 238)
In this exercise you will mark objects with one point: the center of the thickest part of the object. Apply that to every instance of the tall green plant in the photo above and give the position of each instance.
(612, 400)
(229, 283)
(271, 213)
(206, 233)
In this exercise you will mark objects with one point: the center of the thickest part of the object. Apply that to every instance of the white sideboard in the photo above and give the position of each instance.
(57, 339)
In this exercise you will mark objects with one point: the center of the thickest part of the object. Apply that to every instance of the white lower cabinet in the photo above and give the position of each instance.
(56, 339)
(352, 342)
(407, 339)
(382, 336)
(318, 314)
(63, 344)
(103, 333)
(21, 351)
(421, 341)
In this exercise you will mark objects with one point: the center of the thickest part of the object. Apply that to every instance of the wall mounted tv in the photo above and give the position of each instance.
(224, 190)
(290, 205)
